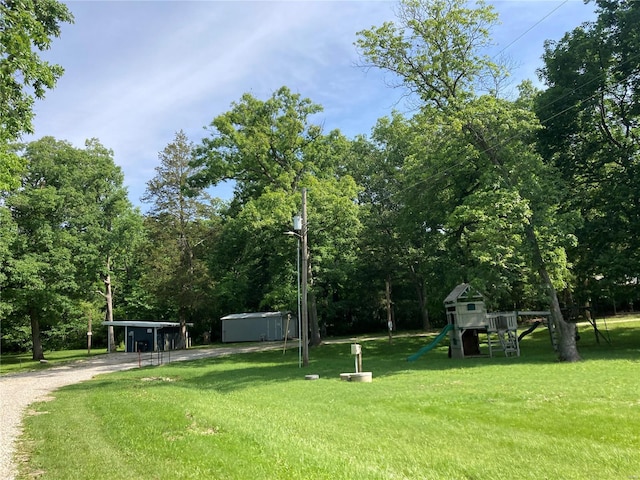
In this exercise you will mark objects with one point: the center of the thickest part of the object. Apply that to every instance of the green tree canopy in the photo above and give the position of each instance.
(591, 115)
(26, 28)
(177, 225)
(436, 48)
(63, 213)
(271, 149)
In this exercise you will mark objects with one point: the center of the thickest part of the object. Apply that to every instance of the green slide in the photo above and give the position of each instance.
(435, 342)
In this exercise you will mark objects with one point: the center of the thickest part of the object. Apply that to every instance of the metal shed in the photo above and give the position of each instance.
(259, 326)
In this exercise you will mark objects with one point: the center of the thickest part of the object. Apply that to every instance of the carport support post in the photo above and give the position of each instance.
(155, 339)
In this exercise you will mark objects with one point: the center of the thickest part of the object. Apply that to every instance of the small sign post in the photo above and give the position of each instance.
(89, 334)
(356, 349)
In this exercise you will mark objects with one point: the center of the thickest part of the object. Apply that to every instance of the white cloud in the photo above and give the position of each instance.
(136, 72)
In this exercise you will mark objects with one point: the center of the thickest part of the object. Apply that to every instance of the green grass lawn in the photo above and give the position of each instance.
(22, 362)
(254, 416)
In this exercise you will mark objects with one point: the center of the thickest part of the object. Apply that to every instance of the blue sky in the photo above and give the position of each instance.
(136, 72)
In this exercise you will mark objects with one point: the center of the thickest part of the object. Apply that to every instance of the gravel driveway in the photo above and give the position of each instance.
(18, 391)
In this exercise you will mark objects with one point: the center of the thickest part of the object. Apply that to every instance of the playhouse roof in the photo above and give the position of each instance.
(464, 291)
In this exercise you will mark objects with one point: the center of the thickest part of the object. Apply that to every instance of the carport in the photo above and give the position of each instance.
(148, 336)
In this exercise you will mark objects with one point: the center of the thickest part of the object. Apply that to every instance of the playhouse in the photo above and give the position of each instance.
(470, 327)
(468, 323)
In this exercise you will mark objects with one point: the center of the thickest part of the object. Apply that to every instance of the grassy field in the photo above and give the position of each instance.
(254, 416)
(22, 362)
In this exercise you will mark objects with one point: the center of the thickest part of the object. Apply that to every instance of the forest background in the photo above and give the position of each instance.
(532, 199)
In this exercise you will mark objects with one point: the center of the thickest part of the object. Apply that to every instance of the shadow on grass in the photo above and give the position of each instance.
(231, 373)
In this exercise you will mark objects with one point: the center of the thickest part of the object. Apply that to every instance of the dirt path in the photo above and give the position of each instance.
(18, 391)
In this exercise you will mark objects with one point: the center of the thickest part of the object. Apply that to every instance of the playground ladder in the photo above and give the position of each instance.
(509, 342)
(506, 341)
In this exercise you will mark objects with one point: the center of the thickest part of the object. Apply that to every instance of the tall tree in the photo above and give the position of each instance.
(61, 212)
(435, 48)
(591, 115)
(271, 149)
(175, 227)
(106, 217)
(26, 27)
(393, 247)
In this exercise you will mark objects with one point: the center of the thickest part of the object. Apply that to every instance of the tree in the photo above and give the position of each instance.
(62, 214)
(435, 49)
(175, 228)
(108, 222)
(271, 150)
(261, 145)
(395, 250)
(591, 114)
(26, 26)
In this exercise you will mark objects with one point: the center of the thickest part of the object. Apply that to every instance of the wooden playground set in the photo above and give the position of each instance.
(471, 328)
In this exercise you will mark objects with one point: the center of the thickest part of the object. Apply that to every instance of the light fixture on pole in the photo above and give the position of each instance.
(297, 227)
(300, 227)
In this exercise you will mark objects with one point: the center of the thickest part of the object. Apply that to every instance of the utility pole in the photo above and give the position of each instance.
(304, 274)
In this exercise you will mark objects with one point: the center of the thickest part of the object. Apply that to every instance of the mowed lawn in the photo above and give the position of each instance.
(254, 416)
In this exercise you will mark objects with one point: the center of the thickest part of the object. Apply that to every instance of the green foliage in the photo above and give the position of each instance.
(27, 26)
(11, 165)
(261, 144)
(434, 48)
(471, 188)
(63, 232)
(591, 114)
(179, 226)
(270, 150)
(255, 416)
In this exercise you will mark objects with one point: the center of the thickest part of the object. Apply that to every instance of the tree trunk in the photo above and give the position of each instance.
(567, 347)
(183, 334)
(388, 305)
(182, 340)
(426, 321)
(38, 354)
(108, 316)
(89, 335)
(422, 299)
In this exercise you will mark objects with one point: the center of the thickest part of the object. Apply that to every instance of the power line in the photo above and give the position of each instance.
(454, 165)
(530, 28)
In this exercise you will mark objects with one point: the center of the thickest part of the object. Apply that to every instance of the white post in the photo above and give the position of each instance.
(155, 339)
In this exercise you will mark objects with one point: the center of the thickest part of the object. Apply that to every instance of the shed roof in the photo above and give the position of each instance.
(241, 316)
(143, 324)
(463, 291)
